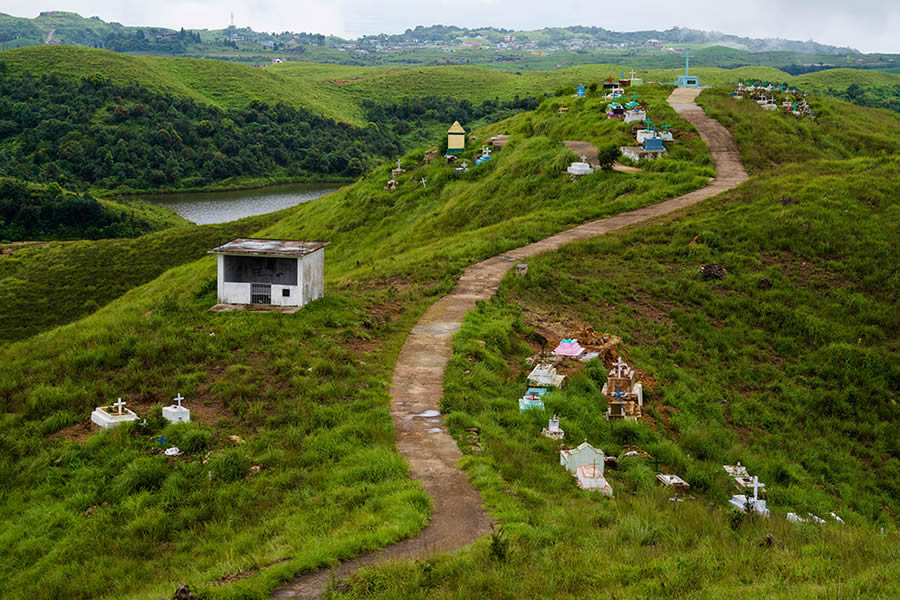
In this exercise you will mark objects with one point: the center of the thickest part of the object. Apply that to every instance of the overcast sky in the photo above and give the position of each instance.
(868, 25)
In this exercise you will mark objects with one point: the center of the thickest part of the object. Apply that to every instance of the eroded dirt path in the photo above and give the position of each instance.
(590, 152)
(418, 381)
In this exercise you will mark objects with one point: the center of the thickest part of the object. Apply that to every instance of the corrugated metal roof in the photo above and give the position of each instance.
(263, 247)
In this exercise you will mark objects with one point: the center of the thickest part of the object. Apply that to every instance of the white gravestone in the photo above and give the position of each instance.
(107, 419)
(744, 503)
(552, 430)
(176, 413)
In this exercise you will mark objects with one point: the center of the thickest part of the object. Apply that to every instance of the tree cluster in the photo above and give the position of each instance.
(399, 114)
(30, 213)
(95, 133)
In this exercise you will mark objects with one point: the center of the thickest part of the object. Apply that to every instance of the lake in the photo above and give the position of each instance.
(220, 207)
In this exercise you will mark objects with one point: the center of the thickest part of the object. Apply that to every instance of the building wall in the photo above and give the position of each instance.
(312, 276)
(234, 293)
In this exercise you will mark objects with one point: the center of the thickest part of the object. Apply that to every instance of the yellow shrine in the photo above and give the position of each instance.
(456, 139)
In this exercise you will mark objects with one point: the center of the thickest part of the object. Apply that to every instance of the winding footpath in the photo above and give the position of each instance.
(423, 440)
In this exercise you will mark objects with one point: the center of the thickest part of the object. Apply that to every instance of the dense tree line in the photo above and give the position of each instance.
(29, 213)
(885, 96)
(140, 41)
(95, 133)
(399, 115)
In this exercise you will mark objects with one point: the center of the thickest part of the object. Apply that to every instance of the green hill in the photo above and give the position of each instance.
(291, 464)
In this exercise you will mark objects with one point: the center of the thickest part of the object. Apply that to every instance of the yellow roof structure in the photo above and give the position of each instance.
(456, 128)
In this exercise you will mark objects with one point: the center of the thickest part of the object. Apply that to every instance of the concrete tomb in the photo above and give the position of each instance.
(625, 395)
(282, 273)
(552, 430)
(582, 456)
(578, 169)
(590, 477)
(569, 347)
(679, 485)
(545, 376)
(635, 114)
(530, 402)
(745, 503)
(108, 417)
(176, 413)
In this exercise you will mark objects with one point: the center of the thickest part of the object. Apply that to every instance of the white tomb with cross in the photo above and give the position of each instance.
(176, 413)
(545, 376)
(744, 502)
(580, 168)
(114, 415)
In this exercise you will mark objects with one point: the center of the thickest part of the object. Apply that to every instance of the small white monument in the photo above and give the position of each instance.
(580, 168)
(552, 430)
(743, 502)
(545, 376)
(176, 413)
(108, 417)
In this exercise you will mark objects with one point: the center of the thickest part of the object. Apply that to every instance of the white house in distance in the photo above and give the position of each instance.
(275, 273)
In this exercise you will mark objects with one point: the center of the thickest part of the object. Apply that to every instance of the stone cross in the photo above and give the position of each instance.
(687, 61)
(619, 365)
(178, 399)
(584, 158)
(423, 182)
(756, 485)
(119, 405)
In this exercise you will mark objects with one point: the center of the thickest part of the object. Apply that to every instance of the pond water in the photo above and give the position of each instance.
(220, 207)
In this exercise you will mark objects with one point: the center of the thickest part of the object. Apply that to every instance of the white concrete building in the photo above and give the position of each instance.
(285, 273)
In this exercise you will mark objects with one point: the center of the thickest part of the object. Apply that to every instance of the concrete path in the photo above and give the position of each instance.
(418, 382)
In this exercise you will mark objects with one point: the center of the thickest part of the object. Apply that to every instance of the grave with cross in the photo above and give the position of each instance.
(625, 394)
(687, 80)
(176, 413)
(114, 415)
(745, 503)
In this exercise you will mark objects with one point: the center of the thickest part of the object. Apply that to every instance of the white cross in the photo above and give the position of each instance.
(398, 163)
(632, 74)
(423, 182)
(119, 405)
(756, 485)
(465, 165)
(584, 158)
(178, 399)
(619, 365)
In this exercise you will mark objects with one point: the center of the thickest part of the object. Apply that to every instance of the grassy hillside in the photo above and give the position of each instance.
(335, 91)
(43, 286)
(798, 382)
(307, 392)
(841, 79)
(770, 139)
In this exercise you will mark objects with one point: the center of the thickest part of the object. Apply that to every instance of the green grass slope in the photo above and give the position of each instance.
(335, 91)
(841, 79)
(798, 381)
(43, 286)
(307, 392)
(771, 139)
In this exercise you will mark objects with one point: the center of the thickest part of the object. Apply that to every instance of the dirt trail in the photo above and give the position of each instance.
(418, 381)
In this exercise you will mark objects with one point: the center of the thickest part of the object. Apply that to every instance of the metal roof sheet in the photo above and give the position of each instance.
(263, 247)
